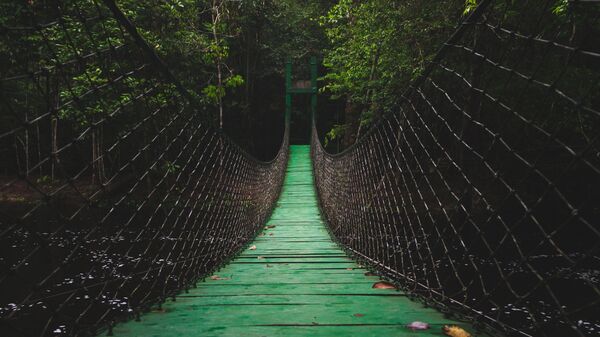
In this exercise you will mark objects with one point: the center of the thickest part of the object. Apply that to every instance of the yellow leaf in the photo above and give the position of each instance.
(455, 331)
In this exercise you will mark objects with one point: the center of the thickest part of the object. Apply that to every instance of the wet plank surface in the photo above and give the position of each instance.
(296, 282)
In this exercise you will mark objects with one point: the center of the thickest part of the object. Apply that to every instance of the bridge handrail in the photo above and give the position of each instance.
(476, 194)
(163, 200)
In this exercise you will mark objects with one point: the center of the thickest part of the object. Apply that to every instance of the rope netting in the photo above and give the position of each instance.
(115, 192)
(480, 193)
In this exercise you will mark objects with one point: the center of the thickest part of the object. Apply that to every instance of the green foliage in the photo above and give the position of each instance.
(336, 132)
(43, 179)
(470, 5)
(377, 47)
(214, 93)
(560, 8)
(234, 81)
(170, 167)
(215, 52)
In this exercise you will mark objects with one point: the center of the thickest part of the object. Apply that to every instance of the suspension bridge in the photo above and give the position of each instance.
(472, 205)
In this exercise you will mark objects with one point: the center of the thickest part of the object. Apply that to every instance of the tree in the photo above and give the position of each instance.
(376, 48)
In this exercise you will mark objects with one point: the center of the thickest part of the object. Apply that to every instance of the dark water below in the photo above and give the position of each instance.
(112, 272)
(115, 270)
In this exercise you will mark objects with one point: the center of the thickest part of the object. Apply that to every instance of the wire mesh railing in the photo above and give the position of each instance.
(115, 193)
(480, 193)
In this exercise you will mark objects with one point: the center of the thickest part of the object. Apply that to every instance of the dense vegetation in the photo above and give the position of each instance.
(229, 54)
(376, 48)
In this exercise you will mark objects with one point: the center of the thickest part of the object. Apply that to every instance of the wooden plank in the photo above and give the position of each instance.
(294, 281)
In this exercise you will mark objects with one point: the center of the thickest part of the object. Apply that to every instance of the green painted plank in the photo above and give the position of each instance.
(300, 299)
(288, 331)
(295, 281)
(187, 312)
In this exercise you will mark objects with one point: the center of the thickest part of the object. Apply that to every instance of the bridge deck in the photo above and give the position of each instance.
(296, 282)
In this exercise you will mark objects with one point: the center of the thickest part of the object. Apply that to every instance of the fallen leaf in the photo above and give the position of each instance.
(270, 226)
(383, 285)
(270, 234)
(358, 315)
(416, 325)
(268, 265)
(260, 258)
(370, 274)
(315, 323)
(217, 277)
(455, 331)
(252, 248)
(349, 268)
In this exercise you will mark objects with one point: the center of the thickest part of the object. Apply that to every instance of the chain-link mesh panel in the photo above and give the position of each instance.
(114, 192)
(480, 193)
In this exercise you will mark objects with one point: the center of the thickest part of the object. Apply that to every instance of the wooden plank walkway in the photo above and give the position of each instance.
(297, 282)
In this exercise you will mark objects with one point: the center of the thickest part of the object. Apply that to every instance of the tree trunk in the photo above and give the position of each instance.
(39, 149)
(26, 145)
(372, 76)
(54, 132)
(97, 158)
(17, 154)
(53, 146)
(101, 173)
(352, 114)
(94, 157)
(216, 17)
